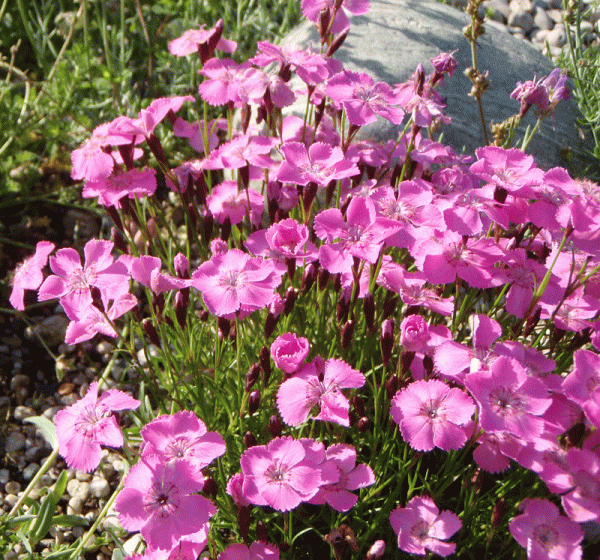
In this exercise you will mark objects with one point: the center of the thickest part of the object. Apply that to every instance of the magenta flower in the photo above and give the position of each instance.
(351, 477)
(283, 473)
(181, 436)
(289, 352)
(241, 151)
(226, 201)
(299, 394)
(361, 234)
(193, 39)
(312, 8)
(111, 189)
(28, 275)
(582, 500)
(146, 271)
(92, 321)
(232, 281)
(159, 500)
(89, 423)
(420, 527)
(363, 99)
(320, 164)
(256, 551)
(545, 533)
(224, 80)
(509, 400)
(431, 414)
(72, 282)
(286, 239)
(414, 333)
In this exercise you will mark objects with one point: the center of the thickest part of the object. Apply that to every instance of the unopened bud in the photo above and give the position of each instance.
(249, 440)
(210, 487)
(224, 327)
(264, 357)
(406, 359)
(369, 311)
(389, 305)
(391, 386)
(323, 277)
(261, 531)
(387, 341)
(182, 298)
(118, 240)
(150, 331)
(253, 402)
(376, 551)
(308, 278)
(308, 195)
(290, 298)
(270, 324)
(359, 405)
(498, 512)
(347, 334)
(337, 282)
(244, 521)
(363, 425)
(251, 376)
(226, 229)
(275, 426)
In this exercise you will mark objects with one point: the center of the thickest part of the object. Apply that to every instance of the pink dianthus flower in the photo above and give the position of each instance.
(420, 527)
(89, 423)
(28, 275)
(289, 352)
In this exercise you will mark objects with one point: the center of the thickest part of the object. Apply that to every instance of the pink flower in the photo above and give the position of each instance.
(234, 489)
(72, 282)
(28, 275)
(289, 352)
(82, 427)
(431, 414)
(257, 551)
(420, 527)
(282, 474)
(545, 533)
(241, 151)
(312, 8)
(224, 80)
(351, 477)
(320, 164)
(362, 99)
(226, 201)
(414, 333)
(92, 321)
(582, 501)
(297, 396)
(159, 500)
(509, 400)
(181, 436)
(286, 239)
(194, 40)
(146, 271)
(111, 189)
(232, 281)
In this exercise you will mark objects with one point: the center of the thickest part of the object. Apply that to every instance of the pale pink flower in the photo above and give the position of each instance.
(283, 473)
(545, 533)
(160, 500)
(289, 352)
(193, 40)
(431, 414)
(226, 201)
(351, 477)
(299, 394)
(286, 239)
(146, 271)
(414, 333)
(256, 551)
(234, 280)
(28, 275)
(421, 527)
(110, 190)
(72, 282)
(89, 423)
(181, 437)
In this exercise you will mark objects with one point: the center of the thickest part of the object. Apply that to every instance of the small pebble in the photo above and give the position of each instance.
(4, 476)
(12, 487)
(66, 389)
(29, 471)
(74, 507)
(100, 488)
(22, 412)
(10, 500)
(19, 380)
(83, 476)
(15, 442)
(68, 400)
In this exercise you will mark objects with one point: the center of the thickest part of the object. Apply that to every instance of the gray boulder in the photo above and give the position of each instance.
(396, 35)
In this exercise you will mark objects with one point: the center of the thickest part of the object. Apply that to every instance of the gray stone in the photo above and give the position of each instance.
(51, 329)
(539, 36)
(15, 442)
(541, 19)
(557, 37)
(12, 487)
(396, 35)
(99, 487)
(29, 471)
(544, 4)
(21, 412)
(521, 19)
(521, 5)
(498, 10)
(555, 15)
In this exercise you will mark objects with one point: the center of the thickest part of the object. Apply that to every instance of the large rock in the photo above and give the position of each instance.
(396, 35)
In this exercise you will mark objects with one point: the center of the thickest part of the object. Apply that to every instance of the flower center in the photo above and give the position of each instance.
(232, 279)
(162, 500)
(545, 535)
(505, 402)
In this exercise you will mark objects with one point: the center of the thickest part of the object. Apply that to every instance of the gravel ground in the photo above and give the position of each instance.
(28, 373)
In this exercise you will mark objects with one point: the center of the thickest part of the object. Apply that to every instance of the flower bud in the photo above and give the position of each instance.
(322, 277)
(342, 309)
(291, 295)
(275, 426)
(291, 267)
(308, 279)
(391, 386)
(156, 149)
(261, 531)
(251, 376)
(264, 357)
(376, 551)
(270, 324)
(150, 331)
(224, 327)
(253, 402)
(428, 364)
(182, 265)
(363, 425)
(200, 189)
(369, 311)
(359, 405)
(389, 305)
(182, 298)
(347, 334)
(210, 487)
(244, 521)
(337, 282)
(226, 229)
(209, 222)
(249, 440)
(118, 240)
(308, 195)
(114, 216)
(387, 341)
(158, 303)
(498, 512)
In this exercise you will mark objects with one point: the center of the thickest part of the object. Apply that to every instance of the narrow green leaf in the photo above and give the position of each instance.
(47, 428)
(44, 519)
(70, 521)
(60, 486)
